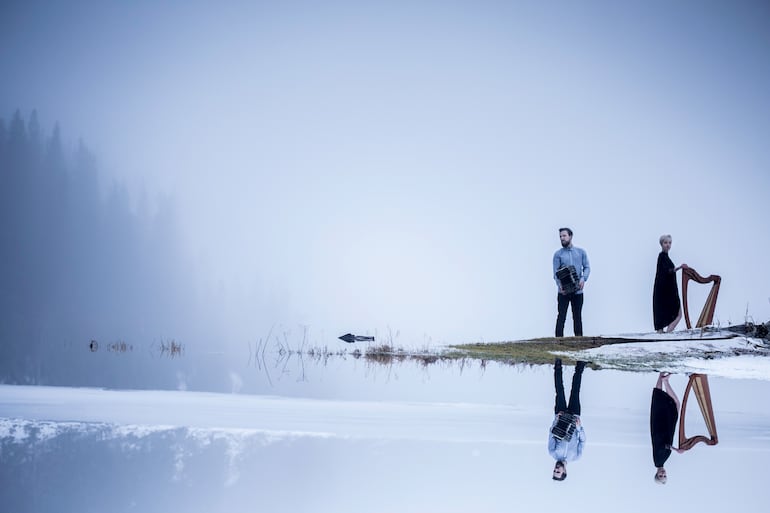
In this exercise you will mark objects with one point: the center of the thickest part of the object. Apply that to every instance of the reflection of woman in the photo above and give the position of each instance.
(666, 309)
(664, 412)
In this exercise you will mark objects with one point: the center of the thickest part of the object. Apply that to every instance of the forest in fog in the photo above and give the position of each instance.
(82, 261)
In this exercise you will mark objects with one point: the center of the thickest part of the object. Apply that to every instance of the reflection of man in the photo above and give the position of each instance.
(572, 265)
(566, 437)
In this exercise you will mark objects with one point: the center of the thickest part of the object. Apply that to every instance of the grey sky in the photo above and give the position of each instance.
(354, 166)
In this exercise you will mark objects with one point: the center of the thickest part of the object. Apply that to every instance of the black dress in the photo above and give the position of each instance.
(665, 293)
(663, 417)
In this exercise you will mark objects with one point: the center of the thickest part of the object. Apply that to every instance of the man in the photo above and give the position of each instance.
(566, 437)
(570, 271)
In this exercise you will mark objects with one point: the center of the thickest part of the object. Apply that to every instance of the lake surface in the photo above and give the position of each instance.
(202, 431)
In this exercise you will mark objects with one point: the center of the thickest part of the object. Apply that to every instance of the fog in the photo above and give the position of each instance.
(396, 169)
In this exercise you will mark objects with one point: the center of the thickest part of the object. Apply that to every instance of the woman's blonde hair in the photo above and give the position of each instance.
(663, 238)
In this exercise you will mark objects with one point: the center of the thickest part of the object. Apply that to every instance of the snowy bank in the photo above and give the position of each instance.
(718, 353)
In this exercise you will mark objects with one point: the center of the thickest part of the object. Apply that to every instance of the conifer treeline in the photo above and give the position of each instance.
(75, 265)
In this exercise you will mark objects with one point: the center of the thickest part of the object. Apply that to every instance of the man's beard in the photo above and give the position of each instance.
(565, 243)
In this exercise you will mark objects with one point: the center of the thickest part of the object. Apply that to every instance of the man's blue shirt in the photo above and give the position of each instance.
(566, 450)
(571, 256)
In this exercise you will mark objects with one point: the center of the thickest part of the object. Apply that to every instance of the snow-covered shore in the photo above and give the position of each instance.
(717, 353)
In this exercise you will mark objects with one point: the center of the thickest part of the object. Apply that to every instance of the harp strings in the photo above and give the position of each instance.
(699, 385)
(707, 314)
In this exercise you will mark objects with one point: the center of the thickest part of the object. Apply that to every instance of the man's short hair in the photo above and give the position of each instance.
(569, 232)
(564, 473)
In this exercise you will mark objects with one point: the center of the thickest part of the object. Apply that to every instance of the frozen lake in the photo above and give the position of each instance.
(348, 435)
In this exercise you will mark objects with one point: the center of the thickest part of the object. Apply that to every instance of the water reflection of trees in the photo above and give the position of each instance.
(77, 259)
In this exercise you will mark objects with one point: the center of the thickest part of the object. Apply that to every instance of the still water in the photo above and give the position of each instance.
(208, 432)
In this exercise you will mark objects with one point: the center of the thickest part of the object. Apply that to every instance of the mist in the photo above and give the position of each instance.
(400, 170)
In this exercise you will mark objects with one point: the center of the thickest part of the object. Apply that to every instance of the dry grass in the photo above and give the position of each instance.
(534, 351)
(386, 354)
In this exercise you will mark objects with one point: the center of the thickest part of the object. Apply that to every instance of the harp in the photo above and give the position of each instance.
(707, 314)
(699, 384)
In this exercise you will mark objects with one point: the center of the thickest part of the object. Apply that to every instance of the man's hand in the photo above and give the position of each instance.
(581, 283)
(561, 290)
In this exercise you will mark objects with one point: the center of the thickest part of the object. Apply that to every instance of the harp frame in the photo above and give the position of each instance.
(707, 314)
(698, 383)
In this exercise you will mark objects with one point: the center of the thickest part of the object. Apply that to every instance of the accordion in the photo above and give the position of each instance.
(568, 278)
(565, 426)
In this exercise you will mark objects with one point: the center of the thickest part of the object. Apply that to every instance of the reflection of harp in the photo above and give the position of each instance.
(699, 383)
(707, 315)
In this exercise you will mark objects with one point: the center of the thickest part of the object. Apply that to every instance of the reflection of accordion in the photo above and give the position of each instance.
(568, 278)
(565, 426)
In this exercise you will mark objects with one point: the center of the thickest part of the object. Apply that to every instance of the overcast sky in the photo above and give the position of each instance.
(357, 165)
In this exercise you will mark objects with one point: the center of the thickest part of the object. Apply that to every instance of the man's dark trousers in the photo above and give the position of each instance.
(563, 302)
(574, 395)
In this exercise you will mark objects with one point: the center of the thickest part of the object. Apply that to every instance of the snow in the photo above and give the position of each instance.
(716, 353)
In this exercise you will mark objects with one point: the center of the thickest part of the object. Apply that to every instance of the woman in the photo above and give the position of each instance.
(664, 412)
(666, 309)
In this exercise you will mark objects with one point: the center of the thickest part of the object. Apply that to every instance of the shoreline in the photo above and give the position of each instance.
(729, 352)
